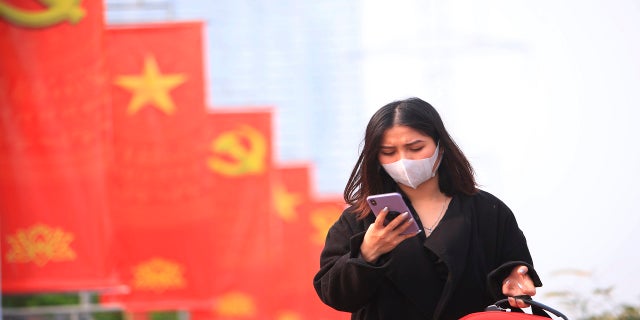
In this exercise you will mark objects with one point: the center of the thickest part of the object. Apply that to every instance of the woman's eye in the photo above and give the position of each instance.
(387, 153)
(416, 149)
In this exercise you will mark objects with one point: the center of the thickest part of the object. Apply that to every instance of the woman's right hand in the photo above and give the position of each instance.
(380, 239)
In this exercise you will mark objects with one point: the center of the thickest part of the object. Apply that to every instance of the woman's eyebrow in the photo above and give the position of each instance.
(414, 142)
(406, 144)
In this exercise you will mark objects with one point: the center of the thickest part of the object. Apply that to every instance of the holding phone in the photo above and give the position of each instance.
(396, 206)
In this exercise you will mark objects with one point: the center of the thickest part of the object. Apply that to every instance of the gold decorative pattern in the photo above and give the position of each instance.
(40, 244)
(288, 315)
(158, 275)
(236, 304)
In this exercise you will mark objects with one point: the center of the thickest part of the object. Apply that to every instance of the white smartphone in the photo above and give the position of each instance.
(396, 206)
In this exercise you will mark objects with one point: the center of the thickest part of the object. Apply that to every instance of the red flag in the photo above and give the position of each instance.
(159, 116)
(291, 192)
(322, 212)
(54, 123)
(163, 208)
(305, 223)
(240, 161)
(157, 81)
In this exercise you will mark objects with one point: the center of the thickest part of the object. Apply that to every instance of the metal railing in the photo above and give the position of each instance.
(85, 309)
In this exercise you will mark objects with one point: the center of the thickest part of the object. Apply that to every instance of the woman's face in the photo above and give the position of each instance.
(402, 142)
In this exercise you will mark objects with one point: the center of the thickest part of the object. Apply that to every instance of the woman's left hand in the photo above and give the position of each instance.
(516, 284)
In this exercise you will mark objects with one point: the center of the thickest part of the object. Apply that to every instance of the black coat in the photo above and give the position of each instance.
(456, 271)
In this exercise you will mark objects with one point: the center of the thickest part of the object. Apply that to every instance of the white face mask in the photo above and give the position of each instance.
(413, 173)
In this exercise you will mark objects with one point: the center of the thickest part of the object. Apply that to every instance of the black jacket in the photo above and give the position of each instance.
(456, 271)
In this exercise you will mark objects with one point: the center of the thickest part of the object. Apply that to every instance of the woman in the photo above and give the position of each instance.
(469, 252)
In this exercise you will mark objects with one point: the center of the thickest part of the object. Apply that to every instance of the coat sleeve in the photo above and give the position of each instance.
(512, 251)
(345, 281)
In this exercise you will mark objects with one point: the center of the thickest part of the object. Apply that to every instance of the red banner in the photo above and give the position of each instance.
(280, 286)
(240, 163)
(161, 187)
(306, 221)
(160, 121)
(54, 126)
(212, 255)
(291, 196)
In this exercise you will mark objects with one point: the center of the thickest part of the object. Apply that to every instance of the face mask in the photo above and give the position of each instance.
(413, 173)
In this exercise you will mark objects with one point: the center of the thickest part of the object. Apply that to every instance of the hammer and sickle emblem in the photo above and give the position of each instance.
(234, 158)
(56, 11)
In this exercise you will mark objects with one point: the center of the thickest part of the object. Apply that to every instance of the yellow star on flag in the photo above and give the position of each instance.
(151, 87)
(285, 203)
(322, 219)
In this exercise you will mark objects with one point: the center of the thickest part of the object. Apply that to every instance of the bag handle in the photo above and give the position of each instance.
(527, 299)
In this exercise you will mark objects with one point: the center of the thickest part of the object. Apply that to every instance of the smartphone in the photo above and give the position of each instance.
(396, 206)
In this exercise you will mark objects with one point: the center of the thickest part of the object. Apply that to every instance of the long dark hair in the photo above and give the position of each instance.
(455, 173)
